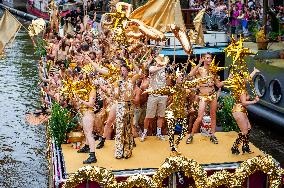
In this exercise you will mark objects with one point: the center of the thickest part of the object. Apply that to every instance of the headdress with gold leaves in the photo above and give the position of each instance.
(214, 67)
(239, 73)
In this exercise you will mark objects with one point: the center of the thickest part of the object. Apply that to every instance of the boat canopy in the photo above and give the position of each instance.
(180, 52)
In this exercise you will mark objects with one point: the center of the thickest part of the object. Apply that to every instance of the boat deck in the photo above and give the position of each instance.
(271, 46)
(152, 153)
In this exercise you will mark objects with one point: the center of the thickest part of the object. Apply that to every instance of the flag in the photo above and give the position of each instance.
(9, 26)
(160, 14)
(197, 36)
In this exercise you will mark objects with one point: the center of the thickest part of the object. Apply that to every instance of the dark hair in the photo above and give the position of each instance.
(122, 61)
(63, 45)
(69, 36)
(105, 62)
(85, 47)
(58, 37)
(60, 62)
(125, 66)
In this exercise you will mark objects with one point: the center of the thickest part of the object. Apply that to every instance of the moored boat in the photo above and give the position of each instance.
(40, 8)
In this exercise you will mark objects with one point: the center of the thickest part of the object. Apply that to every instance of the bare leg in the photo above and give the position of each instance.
(146, 127)
(243, 124)
(201, 110)
(88, 123)
(160, 122)
(241, 120)
(213, 110)
(110, 120)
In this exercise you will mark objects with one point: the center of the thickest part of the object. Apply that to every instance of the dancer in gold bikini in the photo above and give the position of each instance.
(207, 95)
(239, 111)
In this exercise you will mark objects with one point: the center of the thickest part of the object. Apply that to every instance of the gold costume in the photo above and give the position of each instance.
(176, 112)
(124, 120)
(208, 97)
(238, 107)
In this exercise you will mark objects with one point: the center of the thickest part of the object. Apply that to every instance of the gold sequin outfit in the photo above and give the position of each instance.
(176, 113)
(208, 97)
(124, 121)
(238, 107)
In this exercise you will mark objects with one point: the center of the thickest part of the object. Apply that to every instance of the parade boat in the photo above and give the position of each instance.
(151, 158)
(201, 164)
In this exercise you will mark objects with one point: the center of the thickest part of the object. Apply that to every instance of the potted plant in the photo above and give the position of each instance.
(261, 40)
(224, 113)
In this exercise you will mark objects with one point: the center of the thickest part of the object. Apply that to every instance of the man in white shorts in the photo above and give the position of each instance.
(156, 104)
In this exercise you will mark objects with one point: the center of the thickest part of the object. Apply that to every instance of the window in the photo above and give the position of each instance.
(275, 92)
(259, 84)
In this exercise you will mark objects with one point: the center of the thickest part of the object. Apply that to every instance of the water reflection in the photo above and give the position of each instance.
(22, 147)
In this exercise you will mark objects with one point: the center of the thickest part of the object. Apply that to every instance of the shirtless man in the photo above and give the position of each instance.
(140, 100)
(207, 95)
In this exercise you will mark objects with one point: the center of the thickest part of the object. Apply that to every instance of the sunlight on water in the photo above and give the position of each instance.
(22, 147)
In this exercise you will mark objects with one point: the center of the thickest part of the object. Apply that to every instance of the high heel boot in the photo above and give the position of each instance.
(237, 143)
(84, 149)
(245, 147)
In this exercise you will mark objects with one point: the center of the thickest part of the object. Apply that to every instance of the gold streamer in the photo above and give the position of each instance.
(190, 168)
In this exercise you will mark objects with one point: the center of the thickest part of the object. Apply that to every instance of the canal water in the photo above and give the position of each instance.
(22, 147)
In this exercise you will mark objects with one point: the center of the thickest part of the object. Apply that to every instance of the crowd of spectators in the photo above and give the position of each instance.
(239, 18)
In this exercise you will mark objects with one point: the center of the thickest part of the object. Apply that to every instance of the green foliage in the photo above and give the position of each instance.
(60, 123)
(40, 47)
(224, 114)
(273, 36)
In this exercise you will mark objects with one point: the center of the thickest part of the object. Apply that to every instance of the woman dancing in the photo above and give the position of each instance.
(239, 112)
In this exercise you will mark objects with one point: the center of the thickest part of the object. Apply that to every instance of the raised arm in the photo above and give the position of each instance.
(194, 71)
(254, 72)
(92, 99)
(163, 91)
(154, 69)
(135, 78)
(246, 102)
(96, 66)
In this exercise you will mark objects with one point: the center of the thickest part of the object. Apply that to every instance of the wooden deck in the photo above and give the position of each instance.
(152, 153)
